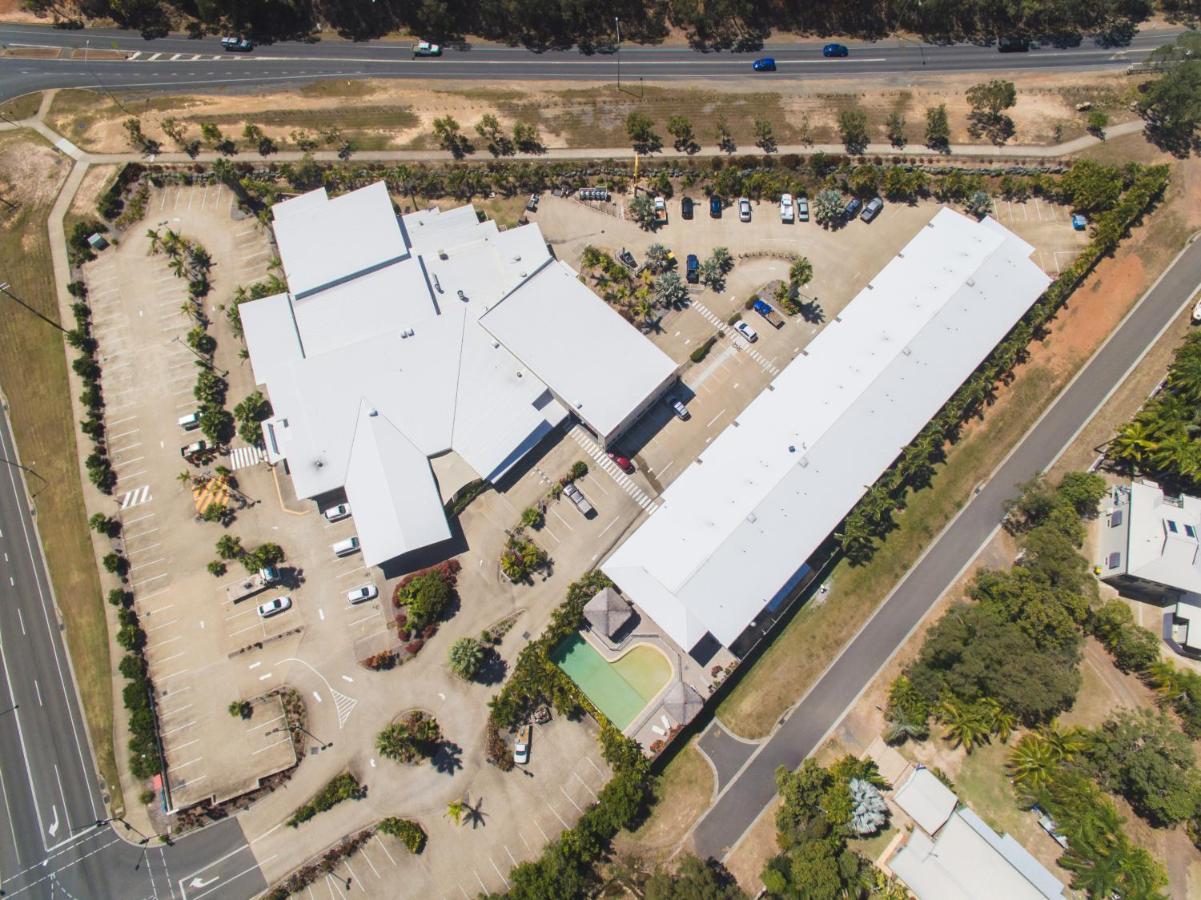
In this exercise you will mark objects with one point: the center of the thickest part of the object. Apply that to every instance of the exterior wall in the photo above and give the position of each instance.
(651, 399)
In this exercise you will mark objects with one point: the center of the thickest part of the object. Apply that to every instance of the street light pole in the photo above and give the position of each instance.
(200, 356)
(303, 730)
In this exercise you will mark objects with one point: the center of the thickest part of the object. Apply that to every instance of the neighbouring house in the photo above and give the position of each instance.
(1149, 549)
(728, 547)
(952, 854)
(412, 354)
(1149, 543)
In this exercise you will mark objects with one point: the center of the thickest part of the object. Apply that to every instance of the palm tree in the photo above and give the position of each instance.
(1033, 762)
(1134, 443)
(1000, 721)
(801, 272)
(454, 811)
(152, 236)
(964, 724)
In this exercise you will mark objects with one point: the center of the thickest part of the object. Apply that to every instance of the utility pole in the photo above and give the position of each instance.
(5, 289)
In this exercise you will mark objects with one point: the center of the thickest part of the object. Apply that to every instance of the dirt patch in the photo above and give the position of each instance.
(401, 113)
(95, 182)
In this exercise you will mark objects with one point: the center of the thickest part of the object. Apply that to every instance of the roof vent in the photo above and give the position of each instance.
(462, 296)
(442, 255)
(579, 404)
(373, 412)
(792, 448)
(517, 258)
(438, 285)
(750, 517)
(519, 373)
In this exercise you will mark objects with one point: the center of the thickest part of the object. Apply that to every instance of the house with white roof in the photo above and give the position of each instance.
(412, 350)
(734, 531)
(953, 854)
(1149, 547)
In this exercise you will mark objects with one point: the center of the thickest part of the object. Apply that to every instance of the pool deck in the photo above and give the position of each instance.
(655, 723)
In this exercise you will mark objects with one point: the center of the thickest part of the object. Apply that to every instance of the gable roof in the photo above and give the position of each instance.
(738, 523)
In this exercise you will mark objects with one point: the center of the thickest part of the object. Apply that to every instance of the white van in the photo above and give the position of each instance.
(190, 422)
(346, 547)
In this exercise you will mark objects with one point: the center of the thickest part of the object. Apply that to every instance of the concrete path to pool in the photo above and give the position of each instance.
(726, 752)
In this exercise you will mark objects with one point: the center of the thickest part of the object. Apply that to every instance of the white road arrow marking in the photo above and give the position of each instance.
(53, 825)
(200, 882)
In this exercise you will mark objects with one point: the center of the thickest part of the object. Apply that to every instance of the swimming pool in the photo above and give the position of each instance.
(621, 689)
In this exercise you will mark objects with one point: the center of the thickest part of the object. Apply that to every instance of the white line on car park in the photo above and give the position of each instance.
(264, 677)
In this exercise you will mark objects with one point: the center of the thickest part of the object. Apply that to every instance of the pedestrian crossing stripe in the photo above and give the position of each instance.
(344, 705)
(619, 477)
(136, 497)
(244, 457)
(739, 342)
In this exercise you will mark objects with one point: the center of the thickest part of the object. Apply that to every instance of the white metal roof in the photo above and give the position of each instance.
(383, 362)
(738, 523)
(1163, 537)
(969, 860)
(321, 243)
(926, 800)
(567, 336)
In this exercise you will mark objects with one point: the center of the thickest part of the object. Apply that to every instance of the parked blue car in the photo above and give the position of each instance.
(767, 64)
(852, 208)
(835, 50)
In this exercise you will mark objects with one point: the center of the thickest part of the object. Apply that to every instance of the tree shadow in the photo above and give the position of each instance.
(493, 669)
(447, 758)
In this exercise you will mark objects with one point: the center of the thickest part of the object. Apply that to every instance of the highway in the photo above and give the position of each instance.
(53, 840)
(198, 64)
(806, 726)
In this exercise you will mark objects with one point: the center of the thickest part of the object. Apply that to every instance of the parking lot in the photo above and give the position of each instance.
(734, 372)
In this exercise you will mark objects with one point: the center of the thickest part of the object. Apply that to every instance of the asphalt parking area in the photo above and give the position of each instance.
(1045, 225)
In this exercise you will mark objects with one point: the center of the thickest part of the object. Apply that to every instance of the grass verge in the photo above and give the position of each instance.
(23, 107)
(790, 666)
(682, 793)
(33, 375)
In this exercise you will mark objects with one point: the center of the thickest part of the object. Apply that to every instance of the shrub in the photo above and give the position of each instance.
(578, 470)
(342, 787)
(425, 595)
(703, 350)
(410, 833)
(532, 517)
(216, 568)
(240, 709)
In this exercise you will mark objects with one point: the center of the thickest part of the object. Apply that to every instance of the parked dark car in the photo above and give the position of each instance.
(686, 207)
(766, 64)
(715, 207)
(835, 50)
(692, 269)
(852, 208)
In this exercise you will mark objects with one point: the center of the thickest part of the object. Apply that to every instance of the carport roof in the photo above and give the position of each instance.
(738, 523)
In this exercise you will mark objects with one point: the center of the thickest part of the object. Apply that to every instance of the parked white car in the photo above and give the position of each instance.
(787, 212)
(274, 607)
(362, 594)
(335, 513)
(747, 331)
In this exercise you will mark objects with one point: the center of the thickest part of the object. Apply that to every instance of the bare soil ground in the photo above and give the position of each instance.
(392, 114)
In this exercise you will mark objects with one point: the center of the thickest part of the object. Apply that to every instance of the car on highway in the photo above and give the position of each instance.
(362, 594)
(835, 50)
(237, 44)
(274, 607)
(336, 513)
(872, 209)
(715, 207)
(622, 462)
(787, 210)
(802, 209)
(1012, 43)
(744, 209)
(686, 207)
(852, 209)
(766, 64)
(679, 409)
(425, 48)
(746, 331)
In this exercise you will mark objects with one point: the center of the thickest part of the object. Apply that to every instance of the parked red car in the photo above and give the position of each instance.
(622, 463)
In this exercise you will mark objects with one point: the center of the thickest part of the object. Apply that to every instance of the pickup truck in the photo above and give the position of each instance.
(660, 211)
(773, 317)
(248, 587)
(572, 493)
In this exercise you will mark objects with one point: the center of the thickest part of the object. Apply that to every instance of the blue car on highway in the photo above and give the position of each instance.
(766, 64)
(835, 50)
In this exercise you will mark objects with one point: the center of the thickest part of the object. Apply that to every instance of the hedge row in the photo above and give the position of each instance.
(99, 466)
(341, 787)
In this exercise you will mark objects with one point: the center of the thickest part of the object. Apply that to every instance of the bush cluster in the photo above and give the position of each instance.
(427, 594)
(341, 787)
(144, 758)
(86, 366)
(410, 833)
